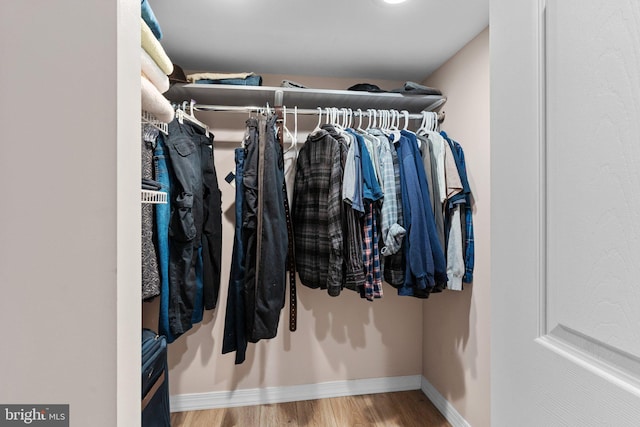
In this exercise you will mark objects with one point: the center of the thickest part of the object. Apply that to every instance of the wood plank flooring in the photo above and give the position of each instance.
(405, 409)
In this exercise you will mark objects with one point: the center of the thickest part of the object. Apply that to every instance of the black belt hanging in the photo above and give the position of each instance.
(293, 306)
(293, 300)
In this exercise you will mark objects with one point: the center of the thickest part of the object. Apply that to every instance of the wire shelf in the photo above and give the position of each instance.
(154, 197)
(149, 118)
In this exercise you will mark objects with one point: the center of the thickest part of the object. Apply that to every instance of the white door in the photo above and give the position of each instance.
(565, 141)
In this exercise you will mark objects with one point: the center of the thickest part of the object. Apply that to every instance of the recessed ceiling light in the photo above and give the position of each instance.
(394, 1)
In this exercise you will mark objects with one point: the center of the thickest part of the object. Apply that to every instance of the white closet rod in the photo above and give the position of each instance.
(303, 111)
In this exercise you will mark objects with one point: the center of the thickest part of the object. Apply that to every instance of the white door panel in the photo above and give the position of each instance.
(565, 212)
(593, 175)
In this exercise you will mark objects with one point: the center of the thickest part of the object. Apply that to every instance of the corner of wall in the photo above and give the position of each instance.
(456, 335)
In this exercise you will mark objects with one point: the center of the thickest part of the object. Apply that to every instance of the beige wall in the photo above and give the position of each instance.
(456, 337)
(70, 217)
(337, 338)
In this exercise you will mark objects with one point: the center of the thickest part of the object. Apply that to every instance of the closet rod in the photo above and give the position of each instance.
(303, 111)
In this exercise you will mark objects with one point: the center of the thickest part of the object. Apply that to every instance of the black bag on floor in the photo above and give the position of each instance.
(155, 381)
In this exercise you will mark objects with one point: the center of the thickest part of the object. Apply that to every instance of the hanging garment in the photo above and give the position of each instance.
(352, 219)
(425, 262)
(455, 260)
(290, 159)
(185, 225)
(465, 198)
(372, 287)
(317, 213)
(353, 208)
(439, 261)
(372, 193)
(453, 230)
(394, 265)
(163, 215)
(150, 271)
(194, 219)
(372, 196)
(212, 225)
(234, 322)
(265, 238)
(392, 232)
(429, 157)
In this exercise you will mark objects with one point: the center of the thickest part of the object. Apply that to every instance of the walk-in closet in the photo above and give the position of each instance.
(544, 334)
(348, 336)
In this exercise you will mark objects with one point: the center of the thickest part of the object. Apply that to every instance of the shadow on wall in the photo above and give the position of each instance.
(338, 338)
(447, 320)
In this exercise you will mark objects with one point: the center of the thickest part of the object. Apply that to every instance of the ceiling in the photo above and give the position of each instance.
(336, 38)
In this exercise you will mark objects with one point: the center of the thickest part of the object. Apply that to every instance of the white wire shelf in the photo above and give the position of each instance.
(149, 118)
(154, 197)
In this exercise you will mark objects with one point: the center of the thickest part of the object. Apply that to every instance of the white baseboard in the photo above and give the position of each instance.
(444, 406)
(260, 396)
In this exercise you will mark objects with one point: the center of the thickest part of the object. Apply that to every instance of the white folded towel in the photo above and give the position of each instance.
(154, 103)
(154, 49)
(217, 76)
(151, 71)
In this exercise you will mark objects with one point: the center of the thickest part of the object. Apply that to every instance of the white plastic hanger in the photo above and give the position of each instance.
(319, 121)
(294, 141)
(372, 119)
(394, 119)
(345, 118)
(181, 115)
(406, 119)
(425, 125)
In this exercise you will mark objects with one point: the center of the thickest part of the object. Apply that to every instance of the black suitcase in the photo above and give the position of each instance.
(155, 381)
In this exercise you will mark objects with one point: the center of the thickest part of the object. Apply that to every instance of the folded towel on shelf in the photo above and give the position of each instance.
(153, 102)
(150, 18)
(152, 72)
(154, 49)
(217, 76)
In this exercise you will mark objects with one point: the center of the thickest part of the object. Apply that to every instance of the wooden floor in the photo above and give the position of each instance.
(406, 409)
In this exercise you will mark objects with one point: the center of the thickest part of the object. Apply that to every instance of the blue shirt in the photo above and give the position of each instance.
(419, 268)
(439, 262)
(371, 190)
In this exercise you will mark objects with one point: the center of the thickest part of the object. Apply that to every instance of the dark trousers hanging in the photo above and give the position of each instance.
(234, 324)
(195, 220)
(264, 233)
(212, 225)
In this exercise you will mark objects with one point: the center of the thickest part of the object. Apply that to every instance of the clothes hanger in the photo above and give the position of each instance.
(394, 120)
(391, 130)
(406, 119)
(386, 119)
(182, 114)
(359, 114)
(286, 130)
(425, 123)
(317, 128)
(370, 119)
(295, 123)
(338, 119)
